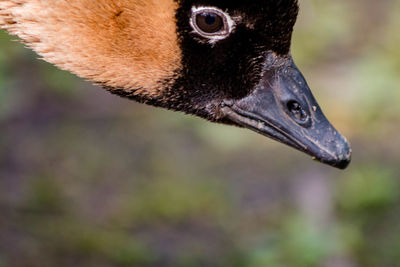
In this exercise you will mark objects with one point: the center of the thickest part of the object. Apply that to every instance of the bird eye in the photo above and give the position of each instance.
(211, 23)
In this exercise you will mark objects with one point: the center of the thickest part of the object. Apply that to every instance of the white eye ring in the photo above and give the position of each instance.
(227, 25)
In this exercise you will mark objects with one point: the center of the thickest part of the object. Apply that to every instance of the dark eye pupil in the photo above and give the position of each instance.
(209, 22)
(210, 19)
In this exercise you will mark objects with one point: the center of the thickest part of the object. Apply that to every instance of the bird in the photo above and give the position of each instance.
(226, 61)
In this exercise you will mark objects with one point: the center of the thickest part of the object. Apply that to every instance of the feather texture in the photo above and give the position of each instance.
(130, 44)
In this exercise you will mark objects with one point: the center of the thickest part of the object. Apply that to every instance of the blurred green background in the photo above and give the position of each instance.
(90, 179)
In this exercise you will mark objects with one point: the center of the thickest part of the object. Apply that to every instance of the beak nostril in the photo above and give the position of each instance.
(297, 111)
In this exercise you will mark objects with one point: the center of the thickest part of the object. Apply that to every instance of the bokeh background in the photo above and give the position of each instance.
(90, 179)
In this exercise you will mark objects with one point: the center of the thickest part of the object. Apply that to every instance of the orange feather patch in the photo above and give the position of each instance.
(130, 44)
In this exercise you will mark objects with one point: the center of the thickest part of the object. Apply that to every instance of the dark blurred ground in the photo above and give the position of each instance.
(90, 179)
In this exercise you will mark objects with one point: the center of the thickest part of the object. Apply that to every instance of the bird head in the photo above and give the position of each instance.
(226, 61)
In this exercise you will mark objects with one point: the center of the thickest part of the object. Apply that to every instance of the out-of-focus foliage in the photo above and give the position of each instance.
(90, 179)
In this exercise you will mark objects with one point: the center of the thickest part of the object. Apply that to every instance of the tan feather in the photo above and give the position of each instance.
(130, 44)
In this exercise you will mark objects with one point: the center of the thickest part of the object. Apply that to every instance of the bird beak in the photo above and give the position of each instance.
(282, 107)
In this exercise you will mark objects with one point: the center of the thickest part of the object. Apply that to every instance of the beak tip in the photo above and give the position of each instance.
(343, 158)
(342, 164)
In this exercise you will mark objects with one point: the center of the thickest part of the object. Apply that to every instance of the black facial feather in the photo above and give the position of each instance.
(230, 68)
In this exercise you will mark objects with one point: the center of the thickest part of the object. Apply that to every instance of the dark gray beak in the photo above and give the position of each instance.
(282, 107)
